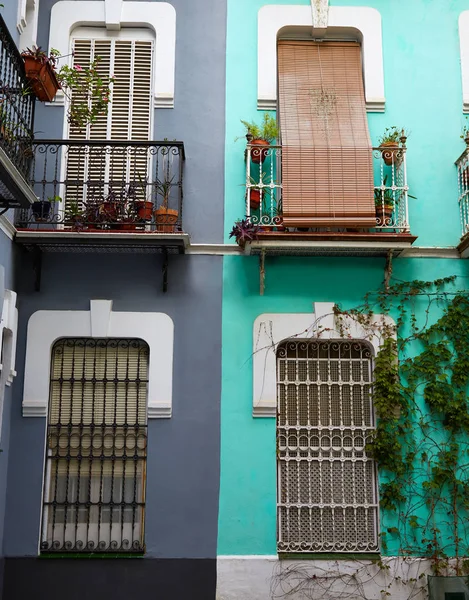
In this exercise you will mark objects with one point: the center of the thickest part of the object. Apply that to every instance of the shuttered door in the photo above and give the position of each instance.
(327, 174)
(128, 118)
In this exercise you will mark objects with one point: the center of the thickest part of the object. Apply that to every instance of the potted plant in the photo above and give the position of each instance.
(41, 209)
(244, 231)
(259, 189)
(261, 135)
(88, 92)
(384, 206)
(40, 72)
(75, 216)
(389, 142)
(165, 217)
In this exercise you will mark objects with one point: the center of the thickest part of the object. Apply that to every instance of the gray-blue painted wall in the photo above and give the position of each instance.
(183, 451)
(7, 252)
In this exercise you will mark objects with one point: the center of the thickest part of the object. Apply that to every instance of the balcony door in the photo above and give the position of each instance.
(93, 170)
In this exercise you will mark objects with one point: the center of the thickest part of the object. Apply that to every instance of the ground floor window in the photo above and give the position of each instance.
(327, 485)
(94, 486)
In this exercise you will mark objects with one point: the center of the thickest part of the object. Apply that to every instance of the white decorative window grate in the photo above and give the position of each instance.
(94, 489)
(327, 485)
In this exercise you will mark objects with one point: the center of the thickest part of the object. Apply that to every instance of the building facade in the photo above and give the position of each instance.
(142, 299)
(209, 409)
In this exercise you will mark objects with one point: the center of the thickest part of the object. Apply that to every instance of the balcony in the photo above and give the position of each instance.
(389, 232)
(16, 125)
(94, 196)
(462, 165)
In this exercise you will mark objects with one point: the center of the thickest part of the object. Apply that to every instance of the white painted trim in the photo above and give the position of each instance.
(270, 329)
(46, 326)
(464, 50)
(9, 322)
(66, 15)
(7, 227)
(272, 18)
(28, 13)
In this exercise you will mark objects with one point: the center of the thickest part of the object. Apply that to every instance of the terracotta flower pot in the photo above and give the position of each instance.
(166, 219)
(144, 210)
(255, 198)
(127, 225)
(388, 152)
(383, 215)
(109, 210)
(42, 78)
(257, 154)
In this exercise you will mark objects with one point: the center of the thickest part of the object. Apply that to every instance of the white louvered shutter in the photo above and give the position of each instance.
(128, 118)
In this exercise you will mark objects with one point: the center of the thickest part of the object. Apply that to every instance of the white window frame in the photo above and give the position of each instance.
(47, 326)
(272, 18)
(8, 337)
(67, 15)
(270, 329)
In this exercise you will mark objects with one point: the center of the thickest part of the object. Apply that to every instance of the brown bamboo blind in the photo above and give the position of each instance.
(327, 171)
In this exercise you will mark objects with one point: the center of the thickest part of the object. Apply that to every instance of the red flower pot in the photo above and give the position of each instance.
(257, 154)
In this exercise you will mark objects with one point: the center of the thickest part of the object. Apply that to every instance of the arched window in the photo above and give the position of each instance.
(94, 486)
(327, 485)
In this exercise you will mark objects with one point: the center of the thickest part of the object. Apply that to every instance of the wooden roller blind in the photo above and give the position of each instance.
(327, 173)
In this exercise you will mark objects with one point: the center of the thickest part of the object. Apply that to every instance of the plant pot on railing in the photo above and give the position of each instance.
(259, 155)
(166, 219)
(41, 77)
(255, 198)
(389, 152)
(144, 210)
(383, 215)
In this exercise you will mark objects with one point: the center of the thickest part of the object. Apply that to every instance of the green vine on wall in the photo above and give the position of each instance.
(421, 443)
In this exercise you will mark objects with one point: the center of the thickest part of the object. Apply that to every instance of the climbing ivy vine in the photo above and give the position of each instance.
(421, 443)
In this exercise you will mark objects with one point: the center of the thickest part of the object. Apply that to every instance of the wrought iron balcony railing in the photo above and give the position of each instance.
(264, 189)
(105, 186)
(16, 112)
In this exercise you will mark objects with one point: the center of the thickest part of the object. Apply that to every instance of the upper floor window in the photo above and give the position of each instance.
(327, 485)
(94, 486)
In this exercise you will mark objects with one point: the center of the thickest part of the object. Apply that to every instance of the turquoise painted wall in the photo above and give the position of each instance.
(423, 93)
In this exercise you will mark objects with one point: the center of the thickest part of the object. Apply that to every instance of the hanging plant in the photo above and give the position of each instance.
(88, 92)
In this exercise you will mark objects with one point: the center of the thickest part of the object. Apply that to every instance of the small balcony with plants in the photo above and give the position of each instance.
(120, 194)
(356, 203)
(16, 125)
(89, 193)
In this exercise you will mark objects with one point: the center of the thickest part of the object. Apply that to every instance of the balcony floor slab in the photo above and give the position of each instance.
(330, 243)
(103, 242)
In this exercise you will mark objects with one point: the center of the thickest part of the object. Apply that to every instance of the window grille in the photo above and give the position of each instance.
(327, 485)
(94, 487)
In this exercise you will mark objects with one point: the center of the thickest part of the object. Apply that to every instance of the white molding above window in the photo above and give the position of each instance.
(270, 329)
(464, 49)
(66, 15)
(46, 326)
(28, 12)
(273, 18)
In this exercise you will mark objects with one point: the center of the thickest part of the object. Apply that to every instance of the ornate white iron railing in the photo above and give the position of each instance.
(264, 188)
(463, 189)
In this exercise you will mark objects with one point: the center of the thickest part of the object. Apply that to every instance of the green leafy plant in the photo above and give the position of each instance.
(392, 134)
(267, 130)
(88, 91)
